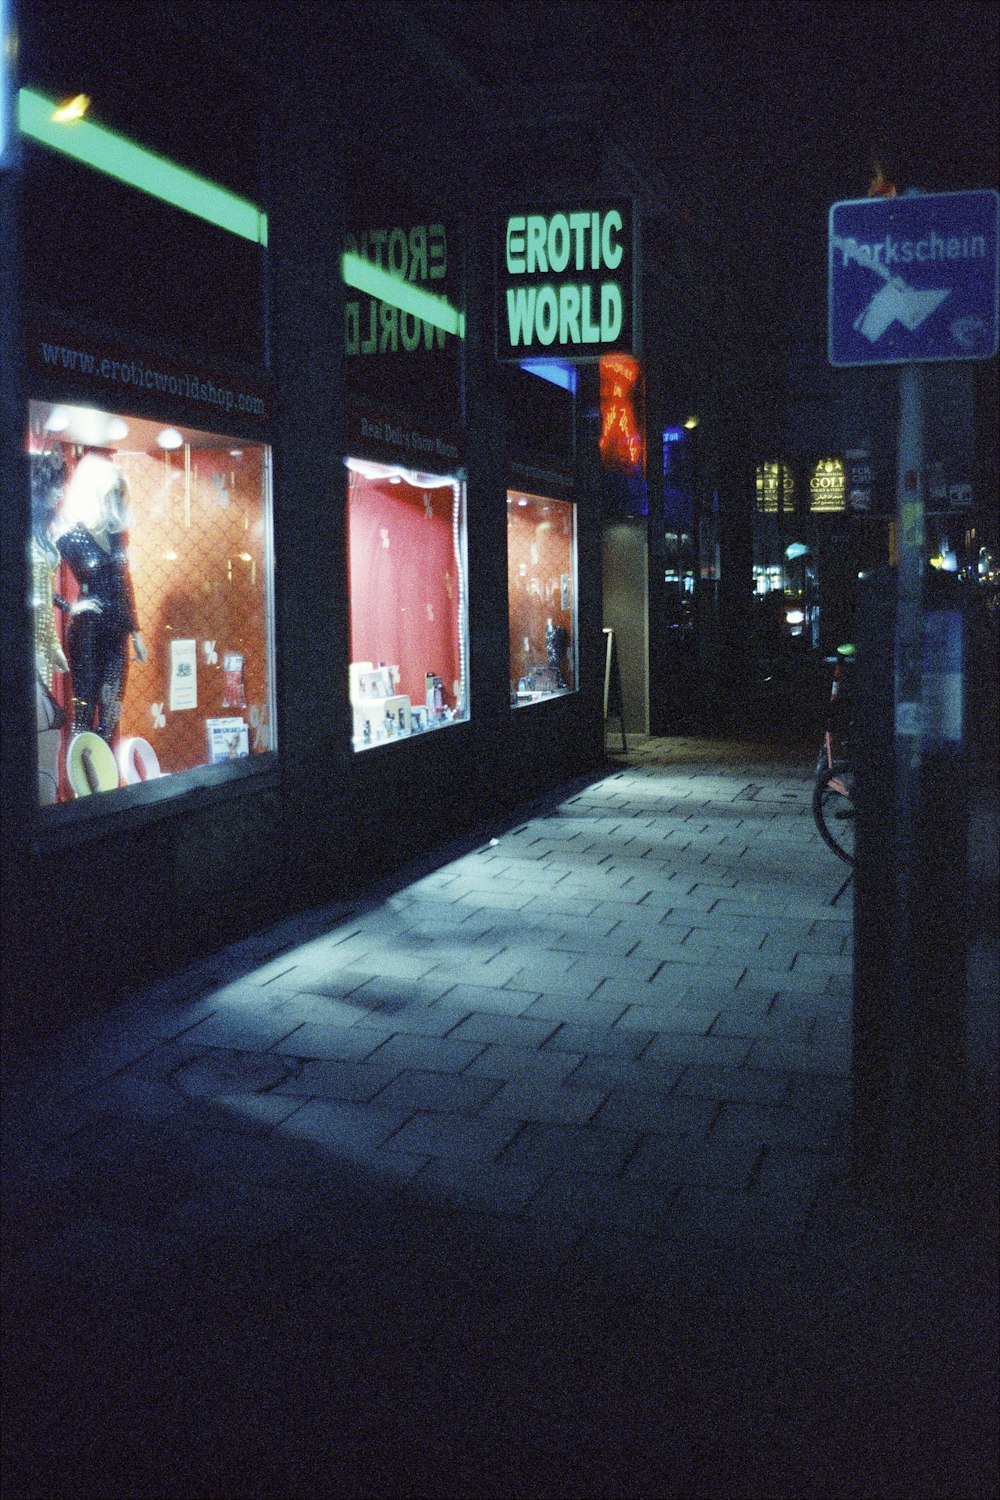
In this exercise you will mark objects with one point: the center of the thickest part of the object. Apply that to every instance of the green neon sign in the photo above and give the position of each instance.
(568, 282)
(370, 279)
(118, 157)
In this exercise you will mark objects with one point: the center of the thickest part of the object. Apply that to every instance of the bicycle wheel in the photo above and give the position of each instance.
(833, 809)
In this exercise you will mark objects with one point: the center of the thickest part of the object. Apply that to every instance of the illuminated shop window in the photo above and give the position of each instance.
(826, 486)
(775, 479)
(151, 584)
(768, 577)
(409, 617)
(541, 585)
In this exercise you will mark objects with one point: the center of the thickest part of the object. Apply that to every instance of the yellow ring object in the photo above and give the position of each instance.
(90, 764)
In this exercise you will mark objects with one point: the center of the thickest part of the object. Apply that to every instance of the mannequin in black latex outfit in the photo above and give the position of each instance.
(556, 643)
(92, 542)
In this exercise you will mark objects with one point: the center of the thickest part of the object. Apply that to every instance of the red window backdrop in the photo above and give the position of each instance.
(407, 595)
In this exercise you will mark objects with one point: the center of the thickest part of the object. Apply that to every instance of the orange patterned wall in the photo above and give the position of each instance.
(539, 558)
(198, 567)
(197, 550)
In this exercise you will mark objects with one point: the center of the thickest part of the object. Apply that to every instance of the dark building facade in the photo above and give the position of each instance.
(303, 578)
(302, 582)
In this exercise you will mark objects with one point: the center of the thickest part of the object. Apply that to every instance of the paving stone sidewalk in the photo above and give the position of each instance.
(524, 1174)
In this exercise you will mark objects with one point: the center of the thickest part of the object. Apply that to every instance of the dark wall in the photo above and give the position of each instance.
(106, 901)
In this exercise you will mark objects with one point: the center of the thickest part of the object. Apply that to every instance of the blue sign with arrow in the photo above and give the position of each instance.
(915, 278)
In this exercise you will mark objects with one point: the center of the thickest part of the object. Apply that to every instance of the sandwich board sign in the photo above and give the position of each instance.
(913, 279)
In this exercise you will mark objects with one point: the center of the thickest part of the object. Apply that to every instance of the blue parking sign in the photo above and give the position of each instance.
(914, 278)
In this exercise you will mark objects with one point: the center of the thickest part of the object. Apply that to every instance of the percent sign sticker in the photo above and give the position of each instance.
(258, 723)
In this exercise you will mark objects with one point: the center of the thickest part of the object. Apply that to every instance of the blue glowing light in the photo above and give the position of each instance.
(554, 371)
(6, 79)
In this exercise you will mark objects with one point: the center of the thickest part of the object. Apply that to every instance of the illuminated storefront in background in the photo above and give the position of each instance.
(775, 488)
(775, 500)
(812, 539)
(827, 486)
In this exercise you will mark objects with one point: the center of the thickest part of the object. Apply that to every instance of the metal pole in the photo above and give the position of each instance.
(908, 675)
(909, 611)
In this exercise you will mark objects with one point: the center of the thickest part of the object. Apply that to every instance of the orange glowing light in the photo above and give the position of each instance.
(72, 109)
(880, 186)
(622, 442)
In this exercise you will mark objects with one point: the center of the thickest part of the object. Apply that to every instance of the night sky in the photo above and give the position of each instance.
(805, 91)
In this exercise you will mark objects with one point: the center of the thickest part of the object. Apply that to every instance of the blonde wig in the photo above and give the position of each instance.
(96, 497)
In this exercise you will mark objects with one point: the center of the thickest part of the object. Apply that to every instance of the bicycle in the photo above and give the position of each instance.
(833, 791)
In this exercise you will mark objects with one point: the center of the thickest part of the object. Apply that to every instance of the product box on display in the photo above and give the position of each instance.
(380, 719)
(397, 712)
(183, 675)
(376, 682)
(228, 739)
(357, 670)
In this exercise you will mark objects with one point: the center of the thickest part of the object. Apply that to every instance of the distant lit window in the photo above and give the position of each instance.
(775, 483)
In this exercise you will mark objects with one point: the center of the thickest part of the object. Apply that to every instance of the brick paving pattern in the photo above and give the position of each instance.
(527, 1174)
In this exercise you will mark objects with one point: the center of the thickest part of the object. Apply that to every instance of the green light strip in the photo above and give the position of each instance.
(121, 158)
(374, 282)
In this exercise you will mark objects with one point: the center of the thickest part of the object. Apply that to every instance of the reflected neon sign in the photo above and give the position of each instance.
(396, 310)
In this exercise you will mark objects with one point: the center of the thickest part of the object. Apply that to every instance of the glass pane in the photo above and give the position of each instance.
(404, 315)
(151, 589)
(409, 626)
(541, 592)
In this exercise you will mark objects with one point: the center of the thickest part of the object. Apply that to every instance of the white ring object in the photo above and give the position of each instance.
(137, 761)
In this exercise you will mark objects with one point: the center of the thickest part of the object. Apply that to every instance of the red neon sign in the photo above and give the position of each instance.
(622, 442)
